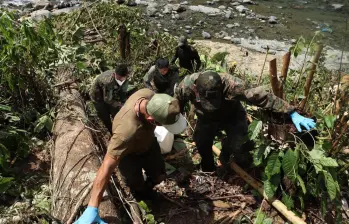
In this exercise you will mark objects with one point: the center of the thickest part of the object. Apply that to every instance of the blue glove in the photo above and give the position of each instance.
(89, 216)
(299, 120)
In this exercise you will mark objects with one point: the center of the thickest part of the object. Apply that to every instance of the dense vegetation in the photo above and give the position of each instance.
(308, 167)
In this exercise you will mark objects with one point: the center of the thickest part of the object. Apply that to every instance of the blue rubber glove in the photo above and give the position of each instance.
(89, 216)
(299, 120)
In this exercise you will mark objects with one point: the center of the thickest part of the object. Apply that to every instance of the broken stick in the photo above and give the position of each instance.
(278, 205)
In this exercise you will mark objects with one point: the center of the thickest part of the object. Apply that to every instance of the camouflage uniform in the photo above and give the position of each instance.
(161, 83)
(108, 97)
(230, 117)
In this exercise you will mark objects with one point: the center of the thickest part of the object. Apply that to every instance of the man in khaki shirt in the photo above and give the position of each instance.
(133, 146)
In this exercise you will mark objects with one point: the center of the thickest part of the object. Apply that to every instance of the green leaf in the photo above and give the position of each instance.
(323, 205)
(268, 221)
(330, 185)
(260, 217)
(301, 183)
(271, 185)
(258, 155)
(218, 145)
(150, 219)
(169, 168)
(290, 164)
(273, 165)
(144, 206)
(328, 162)
(5, 183)
(329, 121)
(287, 200)
(5, 108)
(301, 200)
(316, 154)
(254, 129)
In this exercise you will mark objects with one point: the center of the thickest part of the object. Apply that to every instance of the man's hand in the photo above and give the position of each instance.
(89, 216)
(299, 120)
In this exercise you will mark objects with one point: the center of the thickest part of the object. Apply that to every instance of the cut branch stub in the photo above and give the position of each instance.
(273, 77)
(285, 65)
(124, 42)
(310, 76)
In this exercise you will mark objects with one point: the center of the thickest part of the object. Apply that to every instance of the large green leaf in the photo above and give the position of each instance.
(287, 200)
(330, 185)
(329, 121)
(316, 154)
(273, 165)
(290, 164)
(260, 216)
(254, 129)
(328, 162)
(271, 186)
(5, 108)
(258, 155)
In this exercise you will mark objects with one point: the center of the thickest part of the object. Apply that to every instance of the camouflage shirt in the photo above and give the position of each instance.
(161, 83)
(234, 91)
(106, 89)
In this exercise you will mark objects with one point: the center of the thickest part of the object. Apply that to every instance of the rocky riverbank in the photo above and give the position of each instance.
(253, 25)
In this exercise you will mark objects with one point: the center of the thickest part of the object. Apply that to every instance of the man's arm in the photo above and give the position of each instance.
(103, 176)
(181, 95)
(148, 78)
(96, 92)
(197, 60)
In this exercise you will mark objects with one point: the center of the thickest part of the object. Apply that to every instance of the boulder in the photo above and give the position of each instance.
(206, 35)
(249, 2)
(272, 20)
(40, 14)
(141, 2)
(40, 4)
(65, 10)
(151, 11)
(204, 9)
(228, 14)
(241, 8)
(337, 6)
(230, 26)
(235, 4)
(222, 7)
(236, 40)
(178, 8)
(221, 34)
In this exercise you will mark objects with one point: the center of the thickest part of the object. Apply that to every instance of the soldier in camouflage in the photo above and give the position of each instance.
(162, 78)
(109, 92)
(217, 103)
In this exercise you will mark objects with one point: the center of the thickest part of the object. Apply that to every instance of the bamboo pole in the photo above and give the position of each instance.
(310, 77)
(285, 65)
(277, 204)
(265, 60)
(273, 77)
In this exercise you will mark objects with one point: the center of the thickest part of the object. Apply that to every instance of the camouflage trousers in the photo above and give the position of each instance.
(206, 131)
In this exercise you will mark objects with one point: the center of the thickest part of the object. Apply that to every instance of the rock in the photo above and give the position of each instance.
(337, 6)
(234, 3)
(227, 38)
(167, 10)
(272, 52)
(228, 14)
(236, 40)
(177, 17)
(187, 31)
(249, 2)
(131, 3)
(241, 8)
(187, 27)
(65, 10)
(28, 5)
(184, 3)
(151, 11)
(206, 35)
(293, 41)
(209, 3)
(221, 34)
(261, 17)
(49, 6)
(166, 30)
(178, 8)
(236, 24)
(40, 4)
(230, 26)
(141, 2)
(272, 20)
(222, 7)
(204, 9)
(40, 14)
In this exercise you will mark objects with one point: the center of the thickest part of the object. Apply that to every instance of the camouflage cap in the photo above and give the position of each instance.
(182, 41)
(210, 88)
(166, 110)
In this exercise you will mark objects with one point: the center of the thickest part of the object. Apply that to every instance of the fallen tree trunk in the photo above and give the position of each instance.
(277, 204)
(74, 158)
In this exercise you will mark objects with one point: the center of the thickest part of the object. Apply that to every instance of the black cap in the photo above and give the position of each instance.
(121, 70)
(210, 88)
(162, 63)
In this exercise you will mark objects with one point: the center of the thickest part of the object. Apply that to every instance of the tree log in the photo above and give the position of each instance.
(273, 77)
(285, 65)
(74, 158)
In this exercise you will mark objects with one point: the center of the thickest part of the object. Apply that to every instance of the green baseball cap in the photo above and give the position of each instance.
(166, 111)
